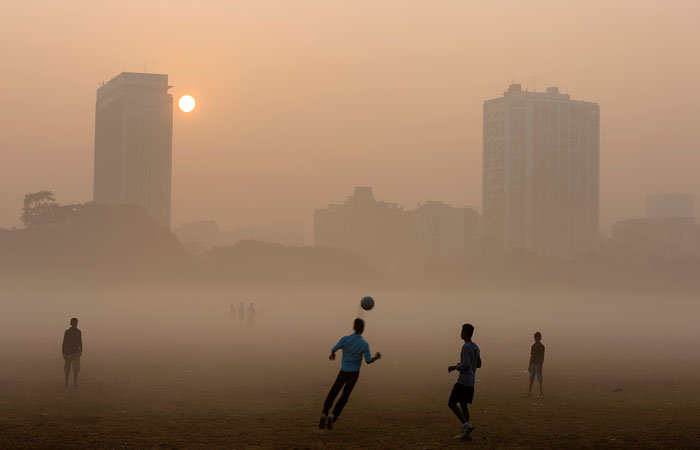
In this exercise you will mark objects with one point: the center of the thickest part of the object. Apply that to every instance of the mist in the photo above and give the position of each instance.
(299, 102)
(520, 167)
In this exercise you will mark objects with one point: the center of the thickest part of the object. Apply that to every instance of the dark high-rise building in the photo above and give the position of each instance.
(133, 143)
(541, 171)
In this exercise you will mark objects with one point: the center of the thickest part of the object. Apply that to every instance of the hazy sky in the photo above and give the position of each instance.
(300, 101)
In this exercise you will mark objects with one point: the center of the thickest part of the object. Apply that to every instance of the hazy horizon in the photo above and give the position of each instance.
(298, 103)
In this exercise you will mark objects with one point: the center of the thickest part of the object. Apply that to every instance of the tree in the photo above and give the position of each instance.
(41, 211)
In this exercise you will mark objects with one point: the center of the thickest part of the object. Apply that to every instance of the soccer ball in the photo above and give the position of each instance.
(367, 303)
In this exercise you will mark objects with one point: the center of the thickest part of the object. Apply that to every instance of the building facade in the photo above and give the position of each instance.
(360, 225)
(368, 227)
(438, 229)
(133, 143)
(541, 171)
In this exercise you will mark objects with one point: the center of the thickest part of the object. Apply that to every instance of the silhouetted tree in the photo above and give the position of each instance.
(41, 211)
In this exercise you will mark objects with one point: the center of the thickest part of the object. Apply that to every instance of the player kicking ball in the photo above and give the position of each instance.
(463, 390)
(354, 349)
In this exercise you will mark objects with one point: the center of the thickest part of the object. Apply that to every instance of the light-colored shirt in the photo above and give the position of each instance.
(354, 347)
(469, 361)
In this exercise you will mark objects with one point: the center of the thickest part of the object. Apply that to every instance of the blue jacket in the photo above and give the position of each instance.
(354, 347)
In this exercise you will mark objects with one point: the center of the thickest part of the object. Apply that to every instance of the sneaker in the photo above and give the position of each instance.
(322, 422)
(466, 431)
(329, 422)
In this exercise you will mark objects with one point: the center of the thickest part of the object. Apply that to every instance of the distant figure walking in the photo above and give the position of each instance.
(72, 349)
(232, 312)
(251, 315)
(241, 314)
(463, 390)
(354, 349)
(535, 365)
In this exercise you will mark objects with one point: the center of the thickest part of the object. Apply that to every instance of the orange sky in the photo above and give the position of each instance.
(299, 101)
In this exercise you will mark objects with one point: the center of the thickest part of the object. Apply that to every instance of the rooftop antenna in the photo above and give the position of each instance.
(145, 62)
(534, 85)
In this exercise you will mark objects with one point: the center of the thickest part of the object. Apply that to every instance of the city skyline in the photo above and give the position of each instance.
(301, 107)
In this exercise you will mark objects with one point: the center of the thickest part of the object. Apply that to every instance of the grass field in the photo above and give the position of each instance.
(155, 406)
(165, 380)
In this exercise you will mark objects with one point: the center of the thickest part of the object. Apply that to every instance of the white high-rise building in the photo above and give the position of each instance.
(133, 143)
(541, 171)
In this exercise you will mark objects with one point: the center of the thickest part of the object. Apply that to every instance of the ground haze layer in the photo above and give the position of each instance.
(169, 368)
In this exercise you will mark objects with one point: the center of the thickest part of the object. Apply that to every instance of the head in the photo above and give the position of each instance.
(467, 331)
(74, 322)
(358, 326)
(538, 336)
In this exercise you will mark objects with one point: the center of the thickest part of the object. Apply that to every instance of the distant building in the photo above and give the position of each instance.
(541, 171)
(133, 143)
(670, 206)
(361, 225)
(436, 228)
(653, 237)
(374, 228)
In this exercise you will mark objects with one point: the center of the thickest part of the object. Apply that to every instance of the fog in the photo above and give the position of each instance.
(297, 326)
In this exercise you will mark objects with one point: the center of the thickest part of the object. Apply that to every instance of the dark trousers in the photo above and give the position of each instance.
(345, 381)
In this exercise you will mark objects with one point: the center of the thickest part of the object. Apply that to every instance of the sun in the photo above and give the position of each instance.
(186, 103)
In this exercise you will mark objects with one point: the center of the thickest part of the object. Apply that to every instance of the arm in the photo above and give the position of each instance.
(374, 358)
(462, 364)
(370, 359)
(465, 361)
(63, 346)
(337, 347)
(80, 344)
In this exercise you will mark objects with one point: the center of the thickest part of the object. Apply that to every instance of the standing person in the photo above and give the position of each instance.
(535, 365)
(463, 390)
(241, 314)
(354, 348)
(251, 315)
(72, 349)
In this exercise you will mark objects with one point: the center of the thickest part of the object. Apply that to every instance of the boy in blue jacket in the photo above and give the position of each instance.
(354, 349)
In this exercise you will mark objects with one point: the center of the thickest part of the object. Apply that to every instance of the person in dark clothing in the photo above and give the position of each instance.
(354, 349)
(463, 390)
(72, 350)
(535, 365)
(241, 313)
(251, 315)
